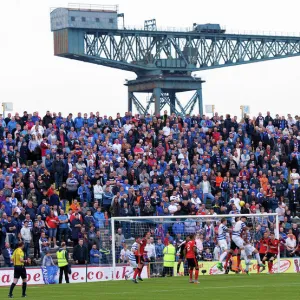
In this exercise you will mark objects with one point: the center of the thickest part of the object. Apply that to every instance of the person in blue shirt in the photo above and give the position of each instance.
(63, 226)
(84, 193)
(7, 206)
(107, 199)
(12, 124)
(78, 122)
(99, 218)
(95, 255)
(178, 227)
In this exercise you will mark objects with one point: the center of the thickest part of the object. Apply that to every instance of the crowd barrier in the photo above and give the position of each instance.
(37, 276)
(46, 275)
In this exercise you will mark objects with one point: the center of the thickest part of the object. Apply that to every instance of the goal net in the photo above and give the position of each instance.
(175, 229)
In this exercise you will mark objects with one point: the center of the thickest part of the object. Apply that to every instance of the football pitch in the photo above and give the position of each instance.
(262, 286)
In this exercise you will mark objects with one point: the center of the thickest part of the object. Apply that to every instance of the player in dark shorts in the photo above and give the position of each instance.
(263, 249)
(139, 255)
(233, 247)
(19, 270)
(190, 252)
(272, 251)
(180, 253)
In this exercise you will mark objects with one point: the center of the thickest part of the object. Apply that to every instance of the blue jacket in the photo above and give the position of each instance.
(94, 259)
(11, 125)
(7, 208)
(99, 219)
(107, 198)
(78, 122)
(178, 228)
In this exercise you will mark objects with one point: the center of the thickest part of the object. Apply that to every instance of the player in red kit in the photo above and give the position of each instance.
(272, 251)
(139, 254)
(263, 249)
(190, 253)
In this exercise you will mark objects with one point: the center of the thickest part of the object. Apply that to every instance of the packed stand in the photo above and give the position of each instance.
(62, 178)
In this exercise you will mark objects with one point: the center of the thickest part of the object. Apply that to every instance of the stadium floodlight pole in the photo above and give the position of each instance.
(199, 217)
(113, 247)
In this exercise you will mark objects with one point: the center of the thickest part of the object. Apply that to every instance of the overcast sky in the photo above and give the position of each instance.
(34, 79)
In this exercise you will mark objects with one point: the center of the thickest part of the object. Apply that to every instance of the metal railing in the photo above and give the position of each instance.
(91, 7)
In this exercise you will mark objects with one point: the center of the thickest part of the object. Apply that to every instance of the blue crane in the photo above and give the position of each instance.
(162, 60)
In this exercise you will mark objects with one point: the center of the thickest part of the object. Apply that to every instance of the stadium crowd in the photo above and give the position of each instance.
(63, 177)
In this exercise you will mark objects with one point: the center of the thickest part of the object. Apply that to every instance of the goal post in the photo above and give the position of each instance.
(182, 225)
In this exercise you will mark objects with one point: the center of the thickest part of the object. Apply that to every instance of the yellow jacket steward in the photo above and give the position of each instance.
(169, 256)
(61, 258)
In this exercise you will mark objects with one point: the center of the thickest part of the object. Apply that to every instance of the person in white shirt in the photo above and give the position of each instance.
(172, 207)
(281, 212)
(98, 191)
(167, 130)
(124, 254)
(295, 178)
(290, 243)
(117, 146)
(245, 157)
(195, 200)
(236, 201)
(37, 129)
(26, 236)
(127, 126)
(206, 189)
(151, 254)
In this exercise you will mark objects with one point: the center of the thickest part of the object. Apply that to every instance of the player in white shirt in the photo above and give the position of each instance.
(132, 259)
(237, 242)
(222, 242)
(250, 250)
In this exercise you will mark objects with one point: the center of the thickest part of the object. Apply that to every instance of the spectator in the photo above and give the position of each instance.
(52, 224)
(7, 254)
(169, 259)
(26, 236)
(76, 225)
(47, 260)
(95, 255)
(80, 253)
(290, 244)
(36, 235)
(63, 262)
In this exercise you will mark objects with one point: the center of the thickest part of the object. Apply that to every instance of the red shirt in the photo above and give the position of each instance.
(190, 253)
(263, 245)
(273, 246)
(143, 244)
(51, 221)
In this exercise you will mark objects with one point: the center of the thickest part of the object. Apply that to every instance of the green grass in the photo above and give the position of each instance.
(262, 286)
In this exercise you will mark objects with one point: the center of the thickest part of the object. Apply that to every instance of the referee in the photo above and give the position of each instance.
(19, 270)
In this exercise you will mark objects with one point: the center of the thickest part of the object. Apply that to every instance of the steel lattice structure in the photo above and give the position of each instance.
(162, 60)
(140, 51)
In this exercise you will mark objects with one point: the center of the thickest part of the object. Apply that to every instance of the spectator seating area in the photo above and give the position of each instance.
(63, 177)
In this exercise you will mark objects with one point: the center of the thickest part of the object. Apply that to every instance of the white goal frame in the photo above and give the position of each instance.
(202, 217)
